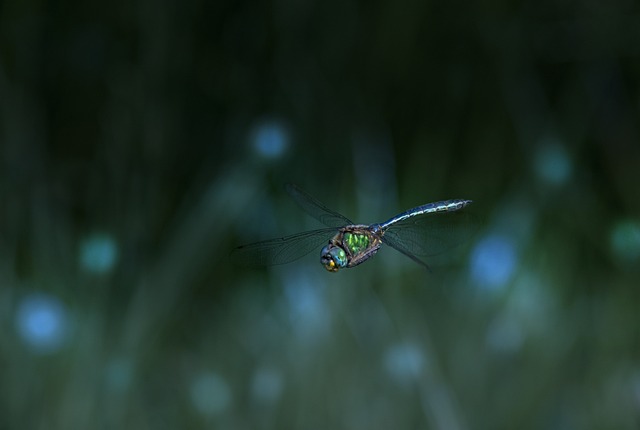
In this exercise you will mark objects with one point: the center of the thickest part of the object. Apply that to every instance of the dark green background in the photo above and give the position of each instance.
(135, 123)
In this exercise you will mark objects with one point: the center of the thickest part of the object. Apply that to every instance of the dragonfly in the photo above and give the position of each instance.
(419, 232)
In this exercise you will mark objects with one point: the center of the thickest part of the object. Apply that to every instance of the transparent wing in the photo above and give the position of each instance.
(282, 250)
(393, 241)
(432, 234)
(316, 209)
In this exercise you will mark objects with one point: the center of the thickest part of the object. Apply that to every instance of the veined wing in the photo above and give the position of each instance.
(316, 209)
(393, 241)
(432, 234)
(281, 250)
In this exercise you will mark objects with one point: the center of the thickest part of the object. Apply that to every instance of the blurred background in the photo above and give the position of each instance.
(141, 141)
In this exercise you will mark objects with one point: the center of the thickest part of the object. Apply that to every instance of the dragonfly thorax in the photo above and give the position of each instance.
(351, 246)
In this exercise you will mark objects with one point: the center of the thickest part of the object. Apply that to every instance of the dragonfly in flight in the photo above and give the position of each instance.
(423, 231)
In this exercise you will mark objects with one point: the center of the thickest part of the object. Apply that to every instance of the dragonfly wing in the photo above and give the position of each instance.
(391, 239)
(433, 234)
(316, 209)
(282, 250)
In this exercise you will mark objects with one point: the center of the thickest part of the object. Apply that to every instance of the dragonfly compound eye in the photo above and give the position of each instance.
(333, 258)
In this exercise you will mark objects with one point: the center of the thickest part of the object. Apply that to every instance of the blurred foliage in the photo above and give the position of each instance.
(141, 141)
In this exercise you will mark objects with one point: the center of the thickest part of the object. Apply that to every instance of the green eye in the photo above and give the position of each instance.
(333, 258)
(339, 256)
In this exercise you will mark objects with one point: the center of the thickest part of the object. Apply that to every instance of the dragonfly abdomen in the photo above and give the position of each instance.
(443, 206)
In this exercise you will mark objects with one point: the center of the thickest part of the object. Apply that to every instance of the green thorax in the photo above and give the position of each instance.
(356, 242)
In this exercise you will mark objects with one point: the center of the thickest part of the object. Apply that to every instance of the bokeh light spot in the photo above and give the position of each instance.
(493, 262)
(266, 385)
(308, 311)
(404, 362)
(270, 139)
(98, 253)
(119, 373)
(41, 322)
(625, 241)
(635, 386)
(210, 394)
(552, 163)
(505, 334)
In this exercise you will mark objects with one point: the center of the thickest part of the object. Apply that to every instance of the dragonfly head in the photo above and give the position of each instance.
(333, 258)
